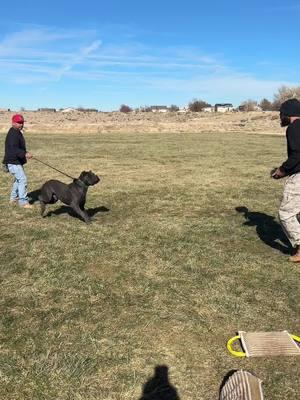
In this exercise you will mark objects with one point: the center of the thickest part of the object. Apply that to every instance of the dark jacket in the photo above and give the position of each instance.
(15, 147)
(292, 164)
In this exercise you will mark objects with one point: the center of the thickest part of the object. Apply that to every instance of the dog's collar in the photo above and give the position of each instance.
(80, 183)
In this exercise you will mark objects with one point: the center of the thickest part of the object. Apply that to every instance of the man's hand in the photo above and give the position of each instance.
(277, 173)
(28, 155)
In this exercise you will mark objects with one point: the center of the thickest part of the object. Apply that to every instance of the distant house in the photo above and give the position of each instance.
(223, 107)
(162, 109)
(47, 109)
(208, 109)
(67, 110)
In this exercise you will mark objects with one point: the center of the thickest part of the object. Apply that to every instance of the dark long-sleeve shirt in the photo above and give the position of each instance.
(15, 147)
(292, 164)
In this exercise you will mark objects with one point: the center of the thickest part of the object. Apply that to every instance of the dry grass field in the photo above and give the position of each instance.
(184, 251)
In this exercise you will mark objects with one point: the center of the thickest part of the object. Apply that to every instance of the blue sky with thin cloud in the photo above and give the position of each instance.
(92, 54)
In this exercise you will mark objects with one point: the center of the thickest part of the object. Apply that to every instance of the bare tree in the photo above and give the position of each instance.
(125, 109)
(197, 105)
(266, 105)
(248, 105)
(173, 108)
(284, 93)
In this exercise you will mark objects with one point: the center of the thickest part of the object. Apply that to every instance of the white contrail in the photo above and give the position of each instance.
(78, 58)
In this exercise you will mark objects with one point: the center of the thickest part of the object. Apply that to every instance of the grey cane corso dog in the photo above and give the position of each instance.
(73, 195)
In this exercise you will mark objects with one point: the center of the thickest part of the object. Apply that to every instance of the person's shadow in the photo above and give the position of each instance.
(159, 387)
(268, 230)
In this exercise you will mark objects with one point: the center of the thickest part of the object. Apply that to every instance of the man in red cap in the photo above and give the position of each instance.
(290, 206)
(15, 157)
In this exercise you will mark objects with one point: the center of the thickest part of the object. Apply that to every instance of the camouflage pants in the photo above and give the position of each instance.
(289, 208)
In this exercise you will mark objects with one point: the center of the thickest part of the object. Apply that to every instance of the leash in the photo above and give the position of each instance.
(50, 166)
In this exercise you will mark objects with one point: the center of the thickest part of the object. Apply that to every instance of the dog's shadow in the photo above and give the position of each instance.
(267, 228)
(68, 210)
(34, 198)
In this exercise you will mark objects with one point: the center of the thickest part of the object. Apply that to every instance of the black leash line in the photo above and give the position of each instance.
(50, 166)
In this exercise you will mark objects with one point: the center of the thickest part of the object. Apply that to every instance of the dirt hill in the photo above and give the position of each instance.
(101, 122)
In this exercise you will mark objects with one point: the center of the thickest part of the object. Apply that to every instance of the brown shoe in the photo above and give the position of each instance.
(295, 258)
(27, 206)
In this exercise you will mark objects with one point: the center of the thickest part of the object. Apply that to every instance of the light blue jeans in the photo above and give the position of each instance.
(19, 189)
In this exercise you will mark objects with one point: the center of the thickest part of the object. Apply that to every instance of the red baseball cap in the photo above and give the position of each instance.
(18, 118)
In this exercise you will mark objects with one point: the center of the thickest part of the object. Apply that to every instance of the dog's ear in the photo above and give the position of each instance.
(83, 173)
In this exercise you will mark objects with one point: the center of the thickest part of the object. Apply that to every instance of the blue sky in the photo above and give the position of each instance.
(102, 54)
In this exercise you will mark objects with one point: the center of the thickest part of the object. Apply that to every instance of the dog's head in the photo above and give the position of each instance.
(89, 178)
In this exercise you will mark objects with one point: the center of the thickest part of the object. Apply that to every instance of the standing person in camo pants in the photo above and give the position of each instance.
(290, 205)
(15, 157)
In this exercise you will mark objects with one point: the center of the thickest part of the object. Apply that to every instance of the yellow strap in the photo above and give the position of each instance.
(235, 353)
(296, 338)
